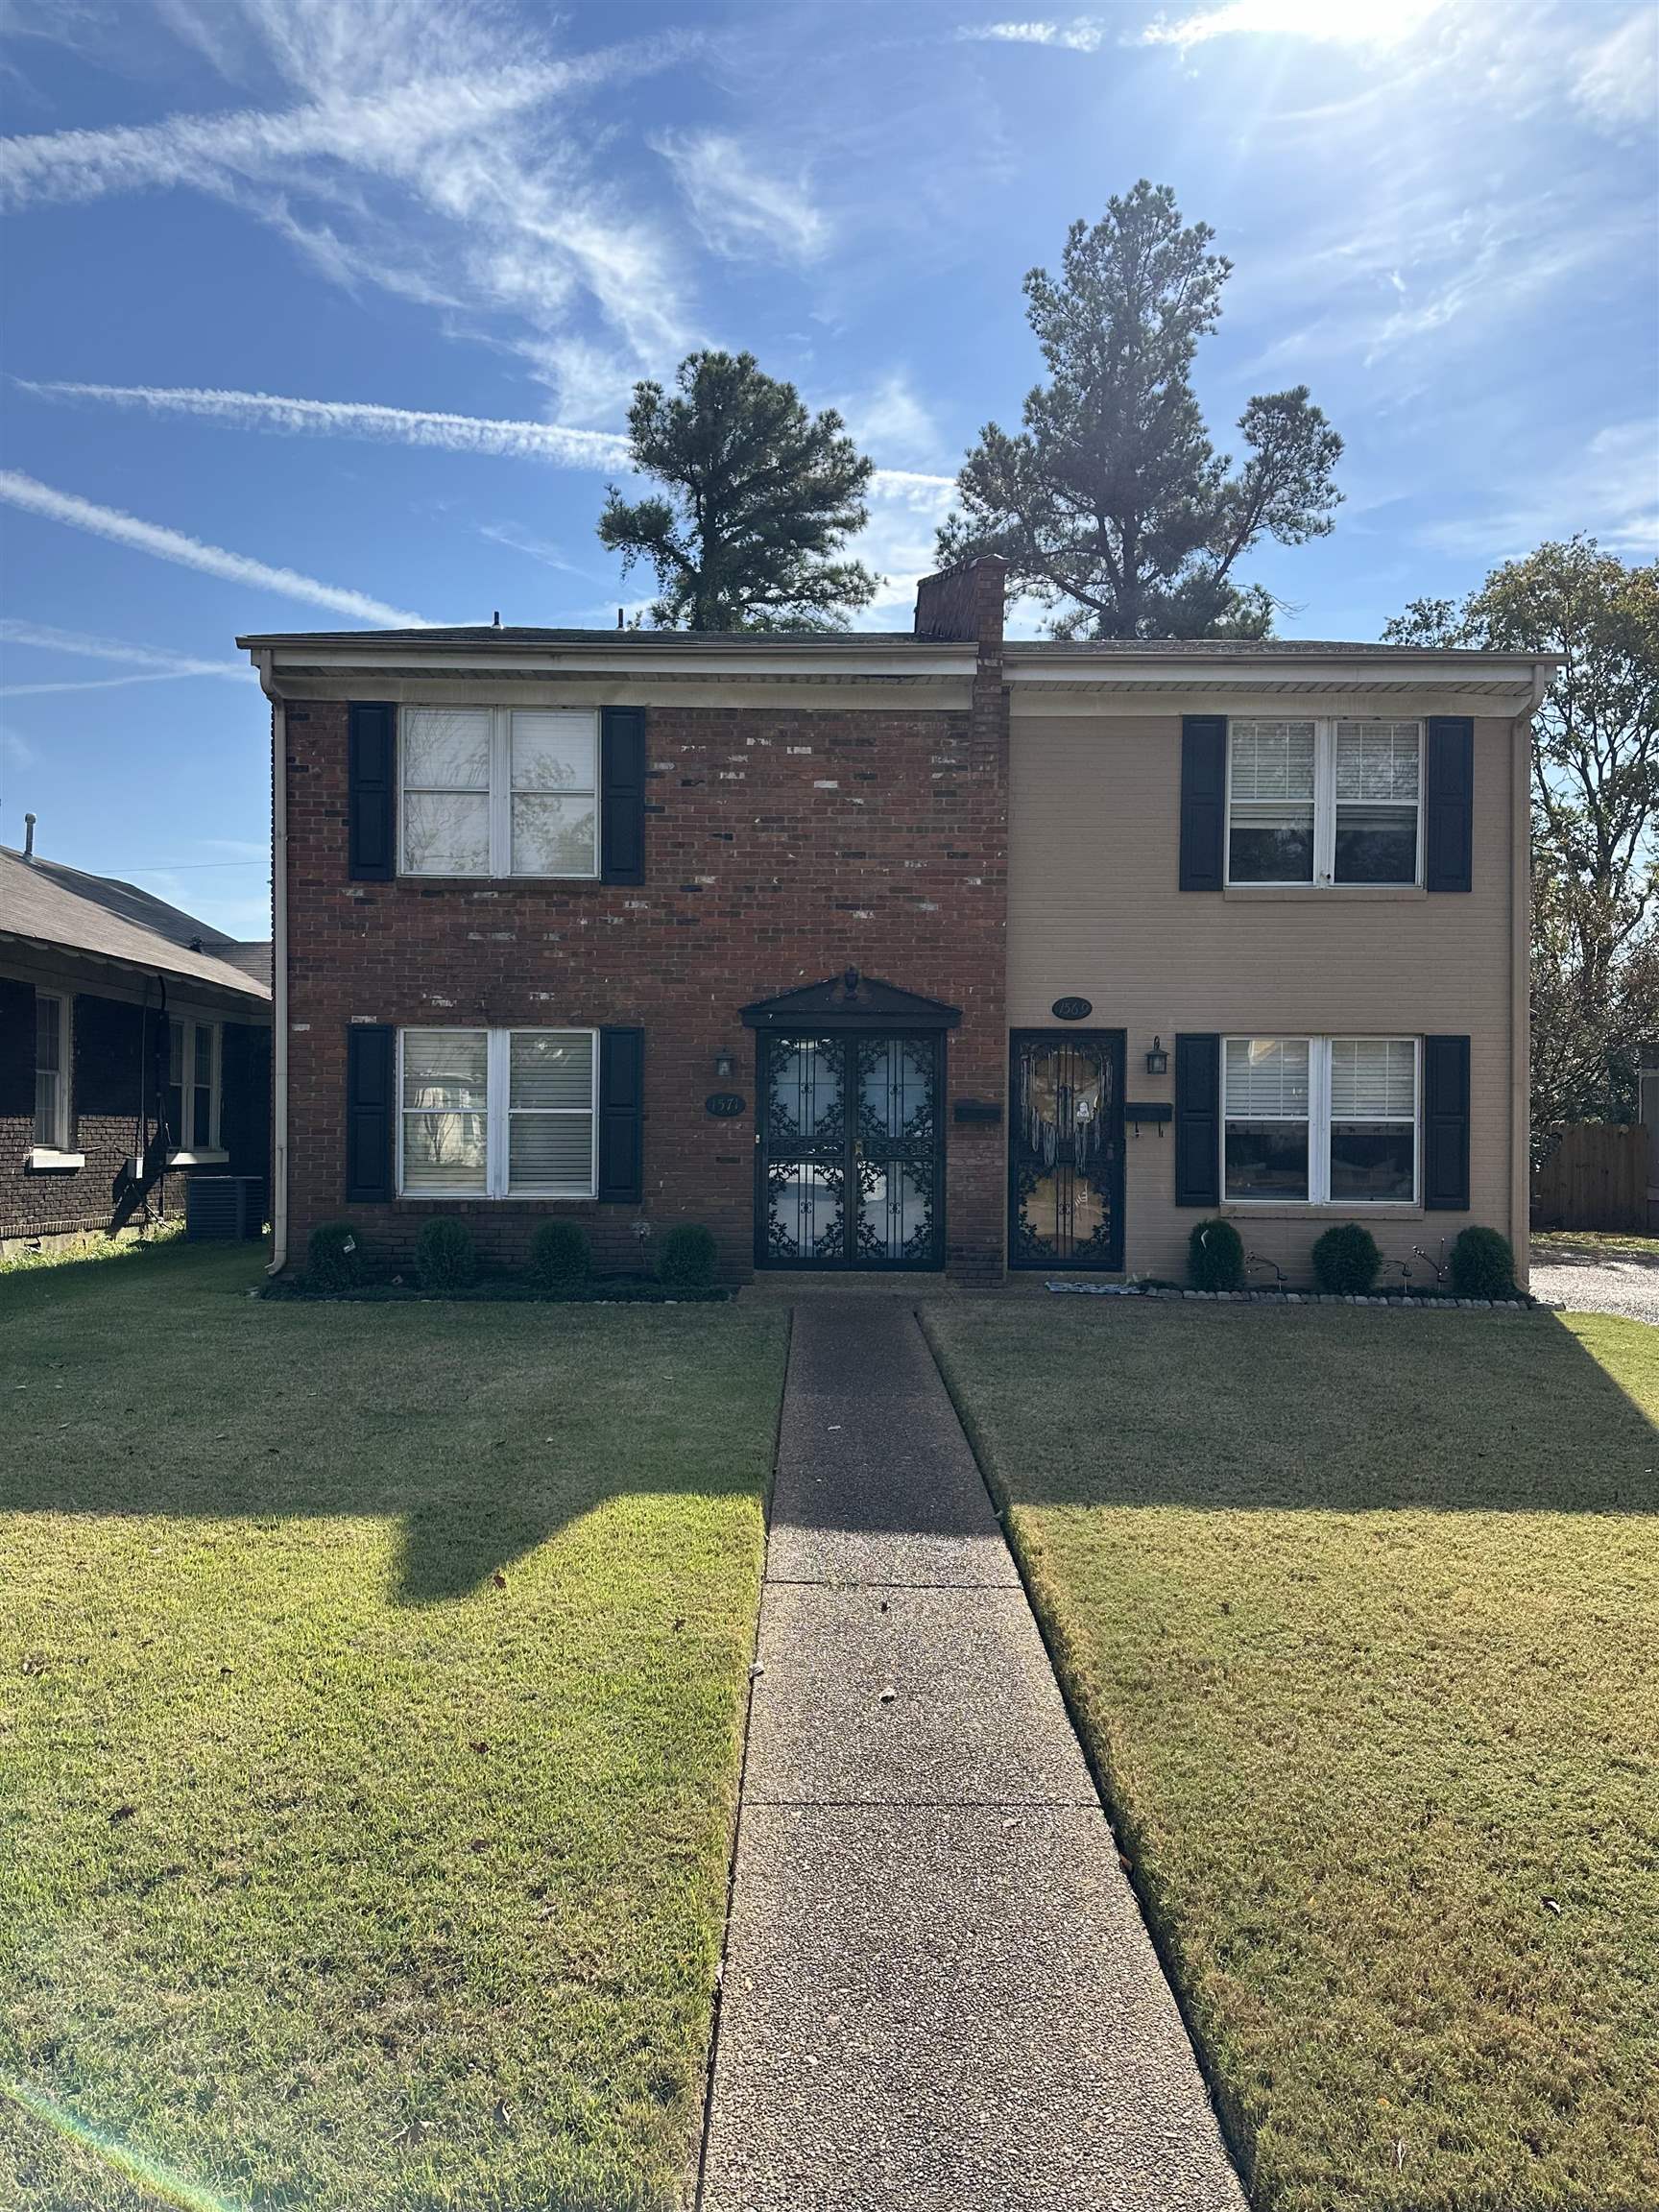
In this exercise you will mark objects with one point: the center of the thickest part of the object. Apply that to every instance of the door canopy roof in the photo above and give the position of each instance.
(851, 1002)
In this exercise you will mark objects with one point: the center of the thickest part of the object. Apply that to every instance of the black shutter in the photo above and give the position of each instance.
(622, 795)
(1197, 1120)
(1446, 1125)
(1203, 801)
(1449, 824)
(372, 771)
(371, 1081)
(621, 1115)
(17, 1049)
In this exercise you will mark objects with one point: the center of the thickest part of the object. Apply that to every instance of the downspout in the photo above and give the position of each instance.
(1521, 976)
(279, 969)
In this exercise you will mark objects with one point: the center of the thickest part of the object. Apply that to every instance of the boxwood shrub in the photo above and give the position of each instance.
(560, 1256)
(445, 1258)
(690, 1257)
(1482, 1264)
(335, 1257)
(1346, 1260)
(1216, 1256)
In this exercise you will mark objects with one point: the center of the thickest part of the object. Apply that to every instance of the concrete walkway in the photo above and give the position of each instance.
(939, 1992)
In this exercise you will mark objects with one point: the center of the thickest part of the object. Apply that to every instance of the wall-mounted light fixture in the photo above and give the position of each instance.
(1157, 1060)
(725, 1067)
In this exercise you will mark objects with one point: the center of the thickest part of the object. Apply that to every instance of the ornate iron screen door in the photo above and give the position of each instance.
(851, 1156)
(1066, 1149)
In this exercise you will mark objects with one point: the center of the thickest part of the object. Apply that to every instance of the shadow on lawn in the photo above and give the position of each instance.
(483, 1432)
(1322, 1410)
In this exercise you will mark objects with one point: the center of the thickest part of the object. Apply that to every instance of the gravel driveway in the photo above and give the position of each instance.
(1602, 1284)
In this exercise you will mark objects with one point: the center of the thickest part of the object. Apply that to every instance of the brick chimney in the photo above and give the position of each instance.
(964, 604)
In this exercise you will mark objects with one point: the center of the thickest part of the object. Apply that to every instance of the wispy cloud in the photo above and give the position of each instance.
(1346, 22)
(1082, 34)
(130, 530)
(426, 149)
(1616, 85)
(504, 436)
(141, 664)
(1609, 488)
(738, 208)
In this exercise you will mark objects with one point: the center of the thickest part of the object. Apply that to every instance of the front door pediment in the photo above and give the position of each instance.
(851, 1001)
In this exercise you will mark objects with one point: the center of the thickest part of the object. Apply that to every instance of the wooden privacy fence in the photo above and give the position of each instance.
(1595, 1177)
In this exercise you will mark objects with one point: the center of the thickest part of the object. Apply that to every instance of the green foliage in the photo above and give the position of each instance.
(560, 1256)
(1111, 504)
(336, 1256)
(1346, 1260)
(445, 1258)
(1482, 1264)
(1595, 808)
(690, 1257)
(1215, 1257)
(760, 496)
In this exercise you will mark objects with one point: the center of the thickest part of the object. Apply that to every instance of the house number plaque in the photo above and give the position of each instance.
(725, 1105)
(1071, 1009)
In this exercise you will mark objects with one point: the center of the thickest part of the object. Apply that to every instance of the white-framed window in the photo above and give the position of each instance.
(498, 1113)
(1315, 800)
(498, 790)
(1320, 1121)
(53, 1059)
(194, 1052)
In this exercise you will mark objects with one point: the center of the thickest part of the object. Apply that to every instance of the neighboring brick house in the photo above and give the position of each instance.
(900, 950)
(134, 1052)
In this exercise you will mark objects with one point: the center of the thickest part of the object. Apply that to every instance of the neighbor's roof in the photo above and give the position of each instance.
(44, 902)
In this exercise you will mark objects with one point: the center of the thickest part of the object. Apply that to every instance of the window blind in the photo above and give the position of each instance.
(1266, 1078)
(1272, 760)
(1373, 1079)
(1377, 760)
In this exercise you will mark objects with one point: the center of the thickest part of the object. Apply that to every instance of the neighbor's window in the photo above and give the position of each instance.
(498, 1114)
(1327, 1119)
(52, 1071)
(1319, 801)
(193, 1051)
(499, 790)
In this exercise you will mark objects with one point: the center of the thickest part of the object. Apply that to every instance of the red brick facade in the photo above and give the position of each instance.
(783, 845)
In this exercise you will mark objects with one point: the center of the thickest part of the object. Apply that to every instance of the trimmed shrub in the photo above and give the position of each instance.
(335, 1257)
(444, 1256)
(1346, 1260)
(1215, 1257)
(1482, 1264)
(560, 1257)
(690, 1257)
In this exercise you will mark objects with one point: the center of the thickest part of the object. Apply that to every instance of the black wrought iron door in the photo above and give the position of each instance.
(851, 1171)
(1066, 1149)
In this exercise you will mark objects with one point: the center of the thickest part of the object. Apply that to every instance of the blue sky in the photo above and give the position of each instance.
(353, 296)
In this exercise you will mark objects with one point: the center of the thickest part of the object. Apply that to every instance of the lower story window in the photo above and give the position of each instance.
(193, 1049)
(1321, 1119)
(498, 1113)
(52, 1071)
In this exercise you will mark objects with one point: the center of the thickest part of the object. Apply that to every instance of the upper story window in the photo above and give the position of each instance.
(1321, 1119)
(498, 1114)
(52, 1071)
(193, 1058)
(499, 790)
(1317, 801)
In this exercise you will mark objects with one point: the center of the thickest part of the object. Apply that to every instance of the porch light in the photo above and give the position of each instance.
(725, 1066)
(1157, 1060)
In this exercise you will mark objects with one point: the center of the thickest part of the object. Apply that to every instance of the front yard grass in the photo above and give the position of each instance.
(1359, 1614)
(371, 1692)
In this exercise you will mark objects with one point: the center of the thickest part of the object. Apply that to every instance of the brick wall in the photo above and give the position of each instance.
(782, 846)
(104, 1101)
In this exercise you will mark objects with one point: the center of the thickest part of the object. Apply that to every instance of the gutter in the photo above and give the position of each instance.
(278, 967)
(1521, 976)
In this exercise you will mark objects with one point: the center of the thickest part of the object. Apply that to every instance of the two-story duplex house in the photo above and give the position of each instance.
(920, 950)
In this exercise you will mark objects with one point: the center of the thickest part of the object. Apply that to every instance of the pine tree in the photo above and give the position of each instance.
(760, 497)
(1111, 505)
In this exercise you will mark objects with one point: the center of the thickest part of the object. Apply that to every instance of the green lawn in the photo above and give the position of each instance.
(370, 1694)
(1361, 1616)
(1550, 1245)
